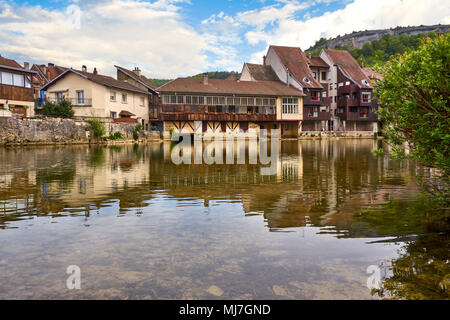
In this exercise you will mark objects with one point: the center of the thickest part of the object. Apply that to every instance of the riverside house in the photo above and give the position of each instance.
(351, 90)
(194, 105)
(95, 95)
(310, 76)
(44, 74)
(16, 89)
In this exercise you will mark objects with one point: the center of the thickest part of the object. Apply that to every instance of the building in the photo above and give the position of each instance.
(95, 95)
(311, 77)
(136, 78)
(44, 74)
(194, 105)
(353, 105)
(16, 89)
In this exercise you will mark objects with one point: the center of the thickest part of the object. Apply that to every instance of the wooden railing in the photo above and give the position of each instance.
(197, 116)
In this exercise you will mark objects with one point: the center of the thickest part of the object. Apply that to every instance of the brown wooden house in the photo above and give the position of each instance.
(16, 89)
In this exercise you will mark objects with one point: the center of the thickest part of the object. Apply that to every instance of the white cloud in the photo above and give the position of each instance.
(126, 32)
(356, 16)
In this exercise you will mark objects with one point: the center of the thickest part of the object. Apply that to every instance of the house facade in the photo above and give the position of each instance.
(136, 78)
(44, 74)
(293, 68)
(196, 105)
(95, 95)
(351, 90)
(16, 89)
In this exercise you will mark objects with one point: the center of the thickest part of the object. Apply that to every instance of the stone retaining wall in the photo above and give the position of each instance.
(52, 130)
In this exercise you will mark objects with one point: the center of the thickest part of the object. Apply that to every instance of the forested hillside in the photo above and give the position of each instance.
(377, 51)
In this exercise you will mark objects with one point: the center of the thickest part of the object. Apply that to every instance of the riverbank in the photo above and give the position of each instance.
(53, 131)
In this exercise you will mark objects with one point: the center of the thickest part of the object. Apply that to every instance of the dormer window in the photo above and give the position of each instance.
(305, 79)
(365, 82)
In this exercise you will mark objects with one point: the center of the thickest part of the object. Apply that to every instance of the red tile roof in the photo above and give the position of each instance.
(9, 63)
(228, 87)
(48, 71)
(318, 62)
(261, 72)
(147, 82)
(372, 74)
(349, 66)
(296, 61)
(103, 80)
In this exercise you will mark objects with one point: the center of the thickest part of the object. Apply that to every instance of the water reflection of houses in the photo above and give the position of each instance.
(321, 183)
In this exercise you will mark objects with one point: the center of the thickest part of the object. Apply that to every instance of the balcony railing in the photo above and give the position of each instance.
(76, 102)
(197, 116)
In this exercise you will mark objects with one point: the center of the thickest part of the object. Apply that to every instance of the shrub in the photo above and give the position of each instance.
(137, 131)
(115, 136)
(97, 127)
(61, 109)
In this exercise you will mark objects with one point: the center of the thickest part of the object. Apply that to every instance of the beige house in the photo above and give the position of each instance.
(95, 95)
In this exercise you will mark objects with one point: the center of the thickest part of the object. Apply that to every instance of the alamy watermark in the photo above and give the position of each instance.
(378, 273)
(74, 279)
(229, 147)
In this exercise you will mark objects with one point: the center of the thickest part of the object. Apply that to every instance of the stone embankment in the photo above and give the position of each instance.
(60, 131)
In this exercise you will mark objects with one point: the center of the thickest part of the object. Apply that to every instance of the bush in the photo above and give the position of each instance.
(97, 127)
(137, 131)
(115, 136)
(62, 109)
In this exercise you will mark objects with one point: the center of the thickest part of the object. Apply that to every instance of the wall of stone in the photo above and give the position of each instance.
(50, 130)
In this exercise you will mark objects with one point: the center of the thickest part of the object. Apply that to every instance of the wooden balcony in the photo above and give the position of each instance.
(14, 93)
(200, 116)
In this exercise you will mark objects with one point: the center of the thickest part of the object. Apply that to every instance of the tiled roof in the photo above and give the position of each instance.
(9, 63)
(48, 71)
(318, 62)
(372, 74)
(218, 86)
(103, 80)
(261, 72)
(349, 66)
(295, 61)
(141, 78)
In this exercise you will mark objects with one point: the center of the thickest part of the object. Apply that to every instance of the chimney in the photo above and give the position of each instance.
(205, 78)
(26, 66)
(95, 71)
(51, 64)
(137, 71)
(84, 68)
(264, 60)
(361, 63)
(288, 74)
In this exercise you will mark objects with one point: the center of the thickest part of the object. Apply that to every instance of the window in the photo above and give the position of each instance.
(141, 101)
(231, 109)
(365, 97)
(324, 94)
(59, 96)
(7, 78)
(324, 76)
(80, 97)
(353, 109)
(290, 105)
(112, 96)
(19, 80)
(313, 112)
(27, 82)
(364, 113)
(113, 114)
(315, 96)
(314, 75)
(124, 98)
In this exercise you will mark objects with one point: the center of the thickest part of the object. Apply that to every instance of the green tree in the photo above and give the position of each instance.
(61, 109)
(414, 102)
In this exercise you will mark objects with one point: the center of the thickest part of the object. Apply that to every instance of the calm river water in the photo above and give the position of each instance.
(141, 227)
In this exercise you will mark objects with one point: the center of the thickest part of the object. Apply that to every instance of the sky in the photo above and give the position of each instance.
(175, 38)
